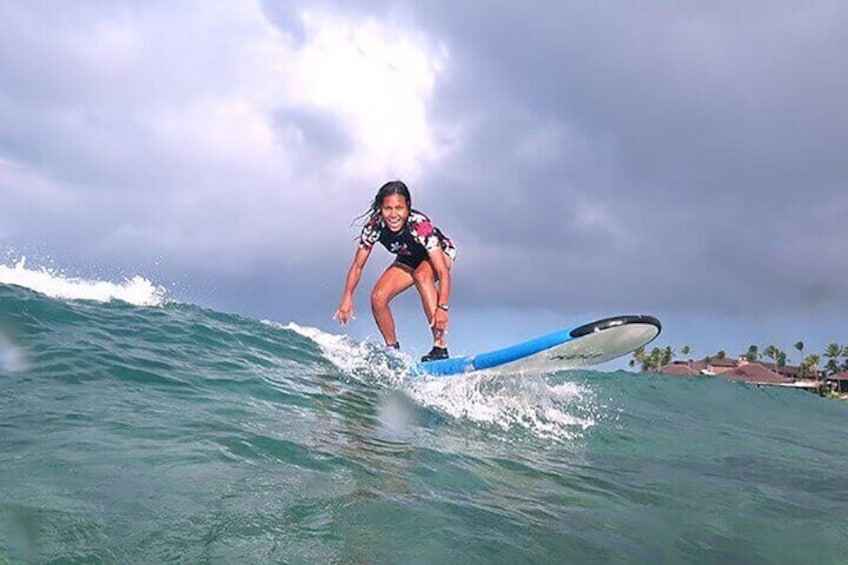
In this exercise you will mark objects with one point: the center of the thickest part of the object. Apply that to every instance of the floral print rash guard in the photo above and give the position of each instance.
(412, 243)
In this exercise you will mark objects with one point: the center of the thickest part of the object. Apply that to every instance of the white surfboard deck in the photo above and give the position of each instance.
(584, 345)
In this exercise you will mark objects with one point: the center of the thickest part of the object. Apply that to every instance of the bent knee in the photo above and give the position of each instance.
(380, 297)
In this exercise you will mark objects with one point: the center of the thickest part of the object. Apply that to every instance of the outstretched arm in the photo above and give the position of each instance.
(345, 310)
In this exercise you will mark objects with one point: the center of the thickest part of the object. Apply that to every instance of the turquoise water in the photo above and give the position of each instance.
(171, 433)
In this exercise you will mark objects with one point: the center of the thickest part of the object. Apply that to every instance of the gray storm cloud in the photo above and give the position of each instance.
(707, 139)
(597, 157)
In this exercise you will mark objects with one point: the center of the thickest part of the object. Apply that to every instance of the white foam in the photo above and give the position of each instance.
(519, 401)
(136, 290)
(523, 401)
(363, 360)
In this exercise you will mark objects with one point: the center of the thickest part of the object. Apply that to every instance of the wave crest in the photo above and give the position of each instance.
(50, 282)
(507, 402)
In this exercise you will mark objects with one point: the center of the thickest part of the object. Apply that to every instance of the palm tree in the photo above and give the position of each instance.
(778, 356)
(753, 353)
(655, 359)
(667, 355)
(772, 352)
(687, 351)
(799, 345)
(845, 357)
(650, 361)
(721, 354)
(811, 362)
(832, 352)
(638, 357)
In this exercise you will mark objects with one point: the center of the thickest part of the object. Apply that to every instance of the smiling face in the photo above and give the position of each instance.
(395, 211)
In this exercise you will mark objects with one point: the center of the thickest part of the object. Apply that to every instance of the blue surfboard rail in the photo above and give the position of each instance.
(467, 364)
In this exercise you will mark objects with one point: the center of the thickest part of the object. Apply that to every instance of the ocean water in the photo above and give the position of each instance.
(138, 430)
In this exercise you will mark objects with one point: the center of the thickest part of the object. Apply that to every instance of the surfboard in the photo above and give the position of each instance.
(580, 346)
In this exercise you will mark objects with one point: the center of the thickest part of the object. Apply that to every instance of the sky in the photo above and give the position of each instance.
(685, 160)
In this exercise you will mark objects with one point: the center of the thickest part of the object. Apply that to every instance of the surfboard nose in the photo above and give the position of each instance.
(585, 345)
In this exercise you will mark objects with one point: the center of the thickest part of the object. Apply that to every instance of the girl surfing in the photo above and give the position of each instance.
(424, 258)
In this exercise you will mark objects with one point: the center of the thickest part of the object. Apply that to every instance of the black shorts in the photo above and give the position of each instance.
(411, 261)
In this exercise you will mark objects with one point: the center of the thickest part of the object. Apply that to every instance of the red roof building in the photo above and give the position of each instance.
(680, 369)
(839, 381)
(755, 373)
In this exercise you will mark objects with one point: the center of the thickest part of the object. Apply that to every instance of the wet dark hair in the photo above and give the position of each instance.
(391, 187)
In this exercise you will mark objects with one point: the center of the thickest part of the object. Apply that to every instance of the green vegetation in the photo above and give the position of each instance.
(652, 361)
(777, 356)
(809, 366)
(833, 352)
(753, 353)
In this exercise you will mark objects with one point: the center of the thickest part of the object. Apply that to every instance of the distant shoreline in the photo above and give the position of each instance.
(750, 367)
